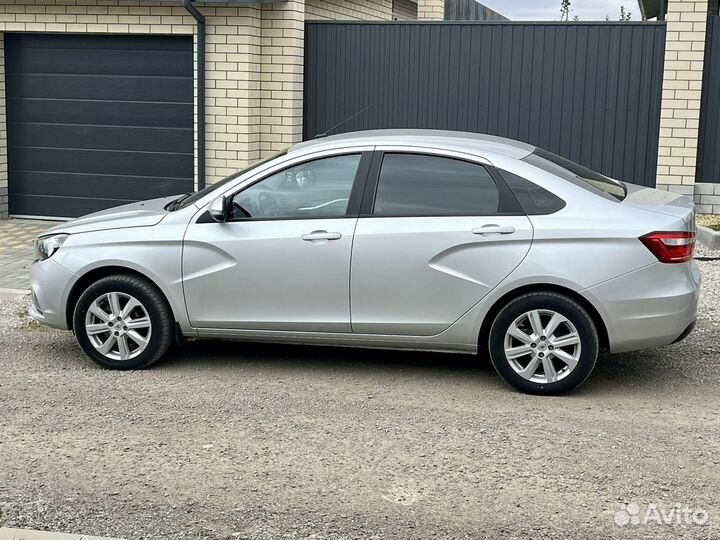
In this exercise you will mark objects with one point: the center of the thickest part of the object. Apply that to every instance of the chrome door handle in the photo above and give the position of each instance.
(321, 235)
(493, 229)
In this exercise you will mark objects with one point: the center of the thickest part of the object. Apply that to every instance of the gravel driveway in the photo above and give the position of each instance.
(228, 440)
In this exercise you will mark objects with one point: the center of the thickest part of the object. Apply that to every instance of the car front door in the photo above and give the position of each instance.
(282, 260)
(436, 234)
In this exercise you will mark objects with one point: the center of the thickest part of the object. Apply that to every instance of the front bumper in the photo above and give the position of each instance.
(651, 307)
(50, 285)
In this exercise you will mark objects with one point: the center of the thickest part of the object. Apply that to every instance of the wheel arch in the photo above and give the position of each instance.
(91, 276)
(542, 287)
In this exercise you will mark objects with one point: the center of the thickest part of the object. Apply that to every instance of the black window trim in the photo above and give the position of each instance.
(507, 198)
(586, 182)
(354, 201)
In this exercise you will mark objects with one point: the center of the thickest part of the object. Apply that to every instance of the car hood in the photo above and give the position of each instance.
(139, 214)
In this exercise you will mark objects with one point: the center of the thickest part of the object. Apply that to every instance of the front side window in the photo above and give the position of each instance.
(314, 189)
(423, 185)
(192, 198)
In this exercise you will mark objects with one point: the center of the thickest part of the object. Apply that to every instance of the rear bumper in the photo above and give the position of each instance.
(685, 333)
(651, 307)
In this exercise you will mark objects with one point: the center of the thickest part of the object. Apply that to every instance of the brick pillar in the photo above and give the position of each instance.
(682, 89)
(281, 75)
(431, 10)
(232, 88)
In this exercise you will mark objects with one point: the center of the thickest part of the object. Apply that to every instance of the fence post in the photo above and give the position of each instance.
(682, 90)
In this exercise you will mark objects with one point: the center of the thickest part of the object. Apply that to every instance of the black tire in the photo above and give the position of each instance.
(565, 306)
(153, 302)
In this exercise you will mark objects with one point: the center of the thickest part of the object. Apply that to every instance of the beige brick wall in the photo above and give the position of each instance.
(349, 9)
(682, 89)
(404, 10)
(281, 75)
(431, 10)
(232, 102)
(98, 16)
(707, 198)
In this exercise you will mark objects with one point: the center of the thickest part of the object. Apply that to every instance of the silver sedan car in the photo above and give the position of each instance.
(407, 239)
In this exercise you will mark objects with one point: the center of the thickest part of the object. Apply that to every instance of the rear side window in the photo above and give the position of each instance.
(577, 174)
(423, 185)
(536, 201)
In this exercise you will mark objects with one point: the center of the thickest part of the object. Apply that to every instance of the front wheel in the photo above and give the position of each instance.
(123, 322)
(543, 343)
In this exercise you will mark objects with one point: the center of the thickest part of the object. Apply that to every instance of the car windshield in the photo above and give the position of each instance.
(188, 199)
(577, 174)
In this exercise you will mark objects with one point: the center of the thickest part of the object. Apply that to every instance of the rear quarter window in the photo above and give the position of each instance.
(535, 200)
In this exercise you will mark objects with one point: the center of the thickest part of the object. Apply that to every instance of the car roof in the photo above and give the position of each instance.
(475, 143)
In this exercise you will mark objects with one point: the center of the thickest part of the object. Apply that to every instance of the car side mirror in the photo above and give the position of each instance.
(218, 210)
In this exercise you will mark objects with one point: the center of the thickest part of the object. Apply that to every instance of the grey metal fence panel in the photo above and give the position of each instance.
(587, 91)
(708, 162)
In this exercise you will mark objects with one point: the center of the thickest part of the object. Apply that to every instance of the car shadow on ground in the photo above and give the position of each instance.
(211, 353)
(613, 371)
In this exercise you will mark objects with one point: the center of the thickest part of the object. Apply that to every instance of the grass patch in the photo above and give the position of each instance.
(708, 220)
(34, 326)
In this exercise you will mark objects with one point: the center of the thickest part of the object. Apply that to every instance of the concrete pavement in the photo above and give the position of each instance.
(16, 251)
(27, 534)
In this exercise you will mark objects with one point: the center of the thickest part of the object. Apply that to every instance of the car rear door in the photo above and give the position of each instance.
(437, 232)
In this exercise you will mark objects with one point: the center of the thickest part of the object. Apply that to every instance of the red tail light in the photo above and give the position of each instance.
(670, 247)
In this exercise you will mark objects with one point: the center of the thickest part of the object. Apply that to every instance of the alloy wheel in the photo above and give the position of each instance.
(542, 346)
(118, 326)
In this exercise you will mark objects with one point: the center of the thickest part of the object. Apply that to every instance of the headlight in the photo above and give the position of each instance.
(47, 245)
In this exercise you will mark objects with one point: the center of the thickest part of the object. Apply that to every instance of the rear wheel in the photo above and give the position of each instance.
(123, 322)
(543, 343)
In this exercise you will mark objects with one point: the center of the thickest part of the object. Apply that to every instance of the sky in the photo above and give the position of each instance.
(549, 10)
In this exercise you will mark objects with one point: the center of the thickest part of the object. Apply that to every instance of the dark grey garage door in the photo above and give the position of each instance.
(97, 121)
